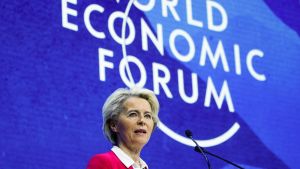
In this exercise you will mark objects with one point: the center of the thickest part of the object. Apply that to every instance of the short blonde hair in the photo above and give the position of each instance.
(113, 106)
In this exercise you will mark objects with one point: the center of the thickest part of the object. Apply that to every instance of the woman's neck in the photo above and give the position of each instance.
(131, 151)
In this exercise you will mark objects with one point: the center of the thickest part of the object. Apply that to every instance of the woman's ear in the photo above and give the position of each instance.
(113, 126)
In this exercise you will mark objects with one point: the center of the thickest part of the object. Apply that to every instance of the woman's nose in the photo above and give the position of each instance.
(141, 120)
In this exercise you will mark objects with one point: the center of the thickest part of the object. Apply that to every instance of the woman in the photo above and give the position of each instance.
(129, 117)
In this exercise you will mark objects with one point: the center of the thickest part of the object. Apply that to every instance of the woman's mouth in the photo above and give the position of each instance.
(140, 131)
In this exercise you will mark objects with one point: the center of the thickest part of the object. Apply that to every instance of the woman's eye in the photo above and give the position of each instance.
(148, 116)
(132, 114)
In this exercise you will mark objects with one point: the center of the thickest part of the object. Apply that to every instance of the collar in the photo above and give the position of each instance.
(126, 160)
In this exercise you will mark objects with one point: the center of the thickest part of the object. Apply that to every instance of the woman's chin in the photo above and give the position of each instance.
(141, 140)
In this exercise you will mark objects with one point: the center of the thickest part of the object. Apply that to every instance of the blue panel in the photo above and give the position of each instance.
(53, 85)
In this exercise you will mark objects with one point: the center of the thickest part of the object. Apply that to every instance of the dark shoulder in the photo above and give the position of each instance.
(101, 161)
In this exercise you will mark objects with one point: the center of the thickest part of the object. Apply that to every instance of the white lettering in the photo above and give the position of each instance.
(210, 4)
(206, 50)
(87, 13)
(157, 80)
(111, 28)
(65, 11)
(146, 7)
(189, 56)
(169, 4)
(125, 62)
(250, 56)
(211, 90)
(103, 63)
(157, 41)
(189, 13)
(194, 97)
(237, 59)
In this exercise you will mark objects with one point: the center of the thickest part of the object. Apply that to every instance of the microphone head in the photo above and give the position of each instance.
(188, 133)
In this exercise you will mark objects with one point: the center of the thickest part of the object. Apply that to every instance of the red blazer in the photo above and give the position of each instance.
(106, 161)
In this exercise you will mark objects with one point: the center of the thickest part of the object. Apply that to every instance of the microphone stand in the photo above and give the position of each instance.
(202, 151)
(214, 155)
(189, 134)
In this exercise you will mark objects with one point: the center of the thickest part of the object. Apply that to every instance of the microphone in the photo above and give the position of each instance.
(189, 134)
(201, 150)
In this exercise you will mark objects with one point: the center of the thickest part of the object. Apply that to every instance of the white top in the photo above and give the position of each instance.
(126, 160)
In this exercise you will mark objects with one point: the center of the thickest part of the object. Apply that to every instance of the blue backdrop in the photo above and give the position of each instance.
(227, 70)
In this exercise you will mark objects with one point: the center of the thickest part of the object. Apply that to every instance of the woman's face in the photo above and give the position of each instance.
(135, 124)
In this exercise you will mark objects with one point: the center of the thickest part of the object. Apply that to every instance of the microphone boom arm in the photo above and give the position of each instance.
(207, 152)
(201, 150)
